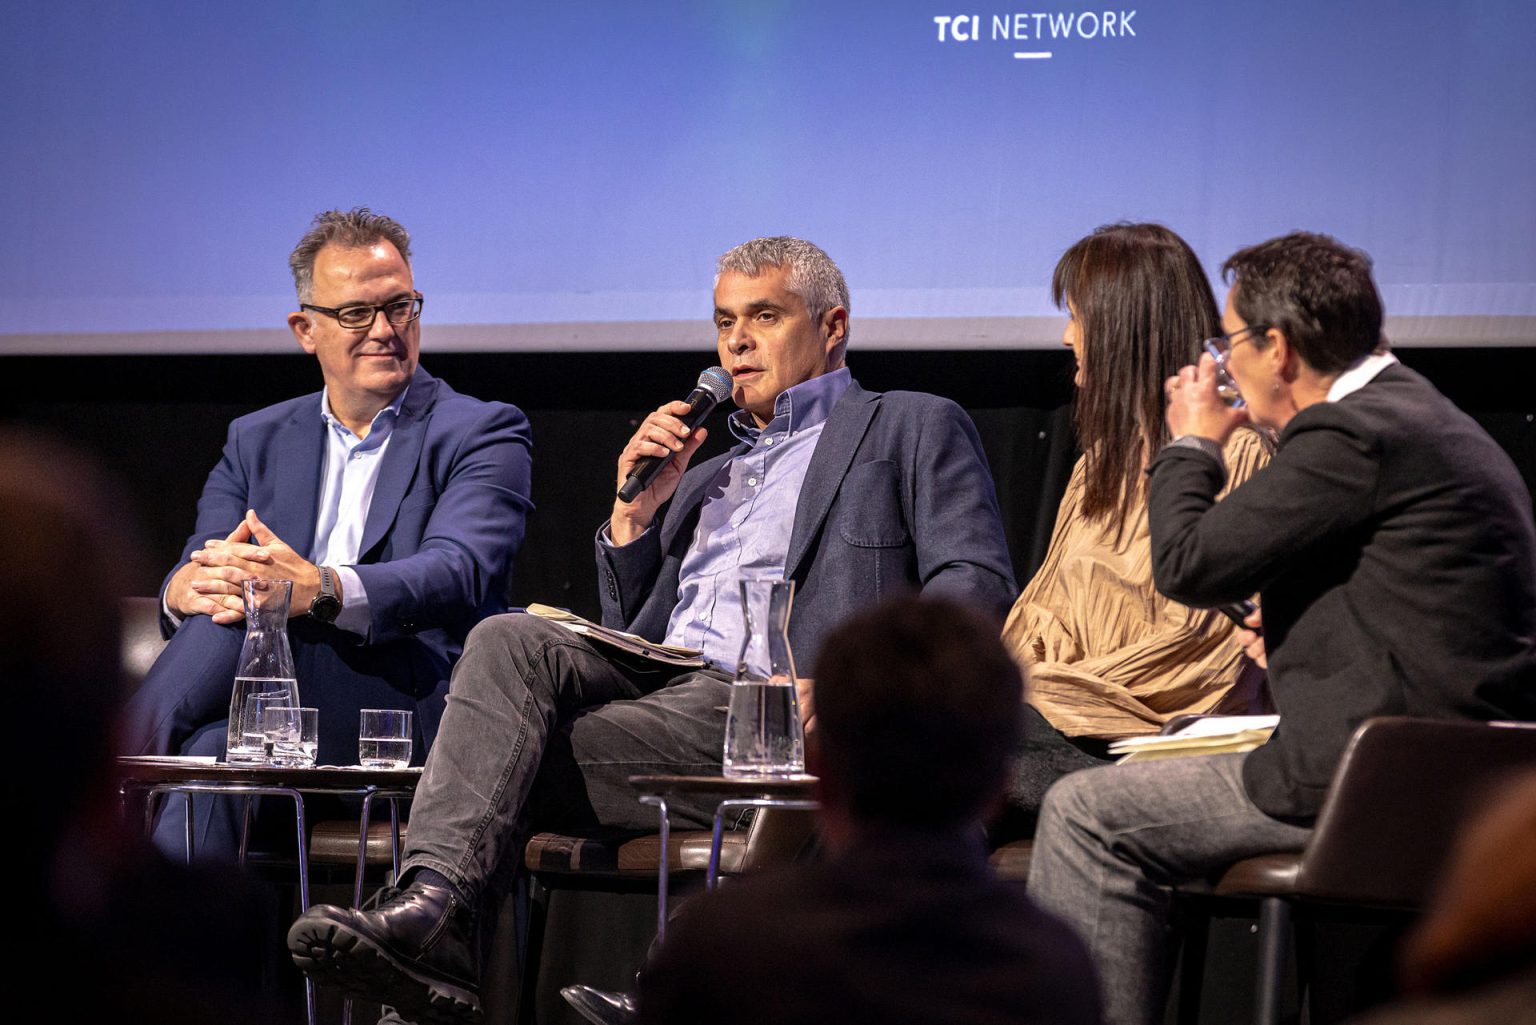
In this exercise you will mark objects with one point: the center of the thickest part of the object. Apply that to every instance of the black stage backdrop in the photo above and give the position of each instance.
(159, 422)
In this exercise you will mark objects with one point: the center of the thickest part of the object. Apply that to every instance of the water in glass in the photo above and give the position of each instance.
(763, 735)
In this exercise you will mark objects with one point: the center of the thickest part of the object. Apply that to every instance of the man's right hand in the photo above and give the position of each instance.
(660, 434)
(216, 591)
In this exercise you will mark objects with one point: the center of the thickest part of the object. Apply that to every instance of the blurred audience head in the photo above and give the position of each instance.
(1481, 924)
(66, 569)
(1315, 290)
(918, 713)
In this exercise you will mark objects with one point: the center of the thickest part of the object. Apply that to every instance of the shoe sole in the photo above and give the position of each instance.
(335, 955)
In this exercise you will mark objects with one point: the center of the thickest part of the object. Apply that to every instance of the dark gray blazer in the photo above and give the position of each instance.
(1394, 546)
(897, 496)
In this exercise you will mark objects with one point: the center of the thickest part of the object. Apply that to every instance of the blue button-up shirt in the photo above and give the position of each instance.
(347, 482)
(746, 518)
(348, 476)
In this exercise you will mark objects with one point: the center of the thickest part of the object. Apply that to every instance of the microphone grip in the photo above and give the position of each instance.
(700, 404)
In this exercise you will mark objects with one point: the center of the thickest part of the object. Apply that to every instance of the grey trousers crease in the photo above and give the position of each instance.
(542, 731)
(1112, 841)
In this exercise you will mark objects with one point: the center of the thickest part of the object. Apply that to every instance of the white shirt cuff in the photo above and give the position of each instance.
(165, 610)
(605, 536)
(355, 616)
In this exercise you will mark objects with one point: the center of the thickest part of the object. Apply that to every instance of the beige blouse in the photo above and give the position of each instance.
(1108, 656)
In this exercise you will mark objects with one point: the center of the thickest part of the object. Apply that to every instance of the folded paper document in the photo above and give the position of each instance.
(1208, 735)
(671, 654)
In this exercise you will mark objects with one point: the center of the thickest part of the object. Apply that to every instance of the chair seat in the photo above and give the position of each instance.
(630, 857)
(1267, 875)
(1012, 859)
(334, 842)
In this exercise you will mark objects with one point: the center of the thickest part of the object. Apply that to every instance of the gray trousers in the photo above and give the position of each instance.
(1111, 843)
(542, 730)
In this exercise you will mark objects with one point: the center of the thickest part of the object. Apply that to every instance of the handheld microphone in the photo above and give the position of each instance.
(714, 387)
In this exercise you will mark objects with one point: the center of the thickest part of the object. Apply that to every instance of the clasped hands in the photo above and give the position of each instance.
(211, 583)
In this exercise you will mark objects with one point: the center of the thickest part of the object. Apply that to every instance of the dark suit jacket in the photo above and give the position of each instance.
(436, 555)
(897, 496)
(910, 929)
(1393, 544)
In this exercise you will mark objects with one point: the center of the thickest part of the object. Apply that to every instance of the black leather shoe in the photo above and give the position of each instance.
(601, 1007)
(413, 949)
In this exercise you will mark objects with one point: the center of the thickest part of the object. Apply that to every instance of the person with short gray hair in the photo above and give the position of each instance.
(853, 495)
(811, 273)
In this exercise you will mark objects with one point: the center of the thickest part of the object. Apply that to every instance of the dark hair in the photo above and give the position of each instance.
(919, 710)
(1143, 306)
(350, 229)
(1316, 290)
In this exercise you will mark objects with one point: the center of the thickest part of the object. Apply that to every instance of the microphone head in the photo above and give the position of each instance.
(716, 381)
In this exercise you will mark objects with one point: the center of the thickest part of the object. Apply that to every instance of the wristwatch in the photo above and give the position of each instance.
(326, 605)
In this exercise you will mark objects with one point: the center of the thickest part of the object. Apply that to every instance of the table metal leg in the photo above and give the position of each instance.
(362, 849)
(663, 877)
(394, 837)
(190, 787)
(302, 840)
(712, 876)
(245, 829)
(187, 827)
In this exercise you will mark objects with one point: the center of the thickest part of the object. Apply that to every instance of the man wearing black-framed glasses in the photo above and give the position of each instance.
(394, 504)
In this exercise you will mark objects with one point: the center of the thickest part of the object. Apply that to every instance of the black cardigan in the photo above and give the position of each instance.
(1393, 544)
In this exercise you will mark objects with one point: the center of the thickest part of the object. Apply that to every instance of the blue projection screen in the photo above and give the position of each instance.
(570, 171)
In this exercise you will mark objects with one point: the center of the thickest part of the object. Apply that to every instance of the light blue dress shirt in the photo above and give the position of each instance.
(747, 516)
(348, 477)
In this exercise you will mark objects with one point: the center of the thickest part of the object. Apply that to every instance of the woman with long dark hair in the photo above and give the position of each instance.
(1108, 656)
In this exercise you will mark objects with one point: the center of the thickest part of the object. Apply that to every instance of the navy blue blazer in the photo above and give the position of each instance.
(897, 497)
(447, 518)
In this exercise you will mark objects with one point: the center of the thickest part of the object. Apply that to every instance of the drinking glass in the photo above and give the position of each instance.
(248, 741)
(384, 738)
(292, 735)
(1226, 387)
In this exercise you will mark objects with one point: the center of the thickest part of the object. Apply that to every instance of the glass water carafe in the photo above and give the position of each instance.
(265, 668)
(763, 735)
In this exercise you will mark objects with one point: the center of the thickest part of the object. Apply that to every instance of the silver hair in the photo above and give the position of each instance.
(812, 274)
(350, 229)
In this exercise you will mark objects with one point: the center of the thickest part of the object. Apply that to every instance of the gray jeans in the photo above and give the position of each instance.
(1111, 843)
(543, 729)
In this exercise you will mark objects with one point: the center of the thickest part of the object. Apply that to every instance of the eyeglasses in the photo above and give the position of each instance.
(1222, 345)
(360, 317)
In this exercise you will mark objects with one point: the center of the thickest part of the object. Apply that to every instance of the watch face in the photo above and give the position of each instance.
(325, 608)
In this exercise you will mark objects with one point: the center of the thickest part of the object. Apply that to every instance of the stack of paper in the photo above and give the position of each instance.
(1208, 735)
